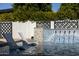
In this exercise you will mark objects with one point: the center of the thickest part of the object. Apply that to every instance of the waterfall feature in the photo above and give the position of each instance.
(57, 40)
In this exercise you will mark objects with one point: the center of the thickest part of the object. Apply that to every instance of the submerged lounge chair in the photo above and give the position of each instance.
(13, 46)
(26, 42)
(32, 43)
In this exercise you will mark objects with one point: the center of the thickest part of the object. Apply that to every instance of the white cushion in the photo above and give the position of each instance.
(16, 36)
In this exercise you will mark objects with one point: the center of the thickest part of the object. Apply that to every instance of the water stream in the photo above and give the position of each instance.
(61, 42)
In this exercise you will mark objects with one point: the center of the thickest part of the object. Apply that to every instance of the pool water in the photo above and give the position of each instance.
(61, 42)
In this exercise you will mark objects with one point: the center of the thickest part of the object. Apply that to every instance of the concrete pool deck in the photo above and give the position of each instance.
(6, 51)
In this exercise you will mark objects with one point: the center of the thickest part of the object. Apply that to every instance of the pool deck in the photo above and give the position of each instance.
(5, 50)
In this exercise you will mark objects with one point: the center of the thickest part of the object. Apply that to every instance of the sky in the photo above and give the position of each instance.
(5, 6)
(55, 6)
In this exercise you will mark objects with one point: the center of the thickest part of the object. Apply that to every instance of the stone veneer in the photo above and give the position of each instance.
(38, 36)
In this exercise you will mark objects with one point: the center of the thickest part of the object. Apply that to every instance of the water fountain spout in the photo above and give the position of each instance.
(64, 37)
(59, 36)
(73, 37)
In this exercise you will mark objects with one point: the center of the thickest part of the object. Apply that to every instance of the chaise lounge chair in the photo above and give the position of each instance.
(21, 35)
(13, 46)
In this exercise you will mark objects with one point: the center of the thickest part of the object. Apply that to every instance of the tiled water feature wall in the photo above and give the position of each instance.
(62, 40)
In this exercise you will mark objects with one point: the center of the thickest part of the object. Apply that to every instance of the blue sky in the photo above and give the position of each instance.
(5, 6)
(55, 6)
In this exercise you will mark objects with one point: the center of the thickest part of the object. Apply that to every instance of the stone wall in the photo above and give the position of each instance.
(38, 36)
